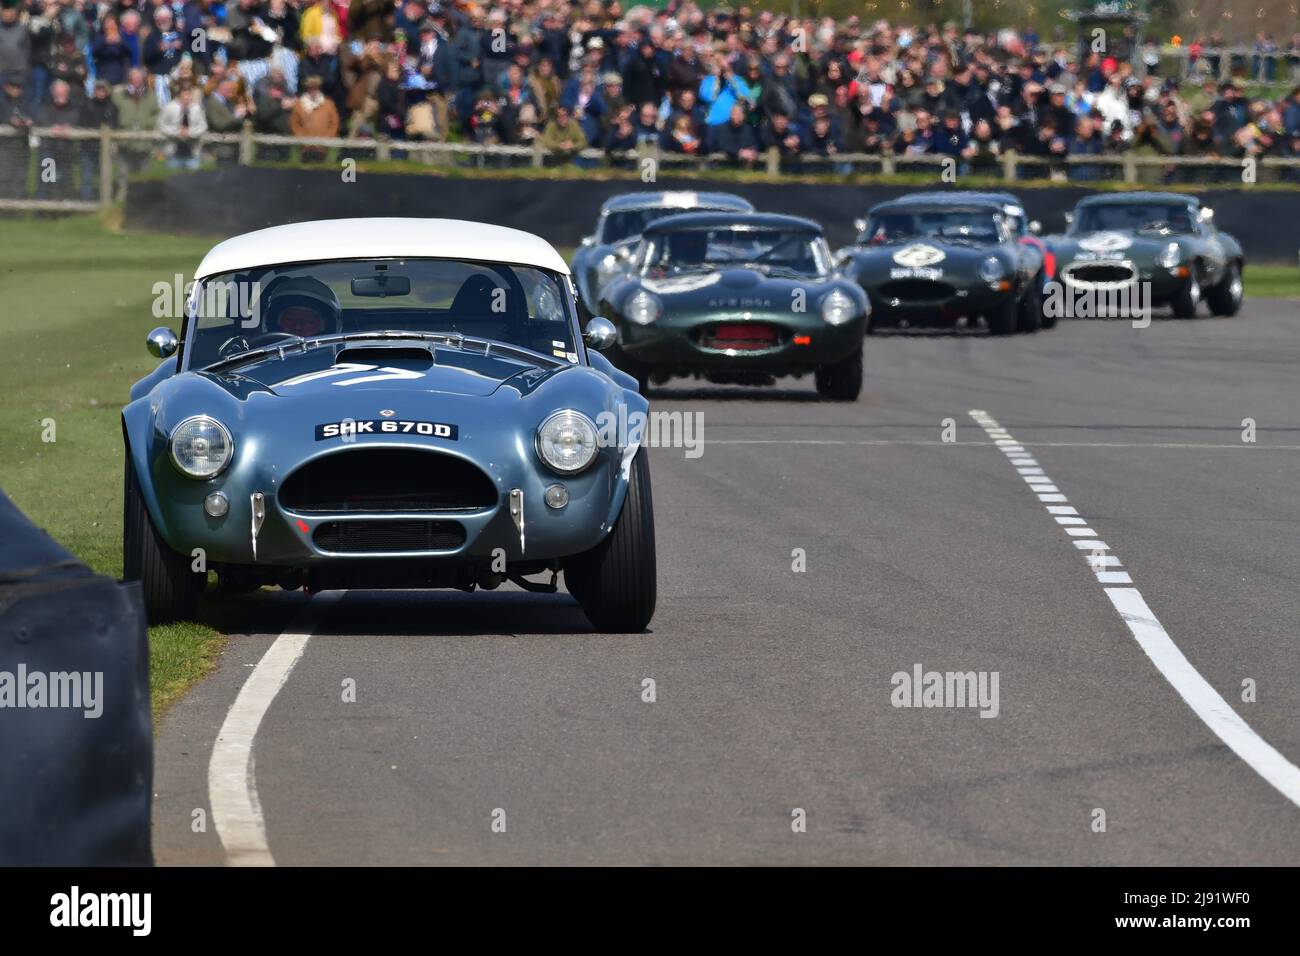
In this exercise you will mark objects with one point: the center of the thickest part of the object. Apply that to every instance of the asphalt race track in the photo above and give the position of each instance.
(773, 687)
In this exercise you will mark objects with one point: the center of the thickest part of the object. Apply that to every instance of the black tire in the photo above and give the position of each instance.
(1225, 298)
(841, 381)
(171, 589)
(1188, 298)
(1002, 319)
(615, 581)
(1029, 315)
(1046, 321)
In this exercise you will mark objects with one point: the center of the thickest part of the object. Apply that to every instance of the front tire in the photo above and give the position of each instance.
(1225, 298)
(841, 381)
(1029, 316)
(1002, 319)
(615, 581)
(171, 589)
(1188, 298)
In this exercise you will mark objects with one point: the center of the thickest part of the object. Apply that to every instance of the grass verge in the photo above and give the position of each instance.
(76, 299)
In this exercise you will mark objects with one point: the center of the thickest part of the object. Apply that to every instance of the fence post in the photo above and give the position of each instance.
(1130, 168)
(105, 167)
(773, 161)
(539, 153)
(886, 163)
(1009, 165)
(382, 151)
(246, 143)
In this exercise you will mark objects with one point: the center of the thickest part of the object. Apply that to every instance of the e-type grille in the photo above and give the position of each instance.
(388, 535)
(741, 336)
(1108, 272)
(915, 291)
(387, 479)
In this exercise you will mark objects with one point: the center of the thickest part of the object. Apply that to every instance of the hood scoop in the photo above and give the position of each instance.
(741, 278)
(410, 356)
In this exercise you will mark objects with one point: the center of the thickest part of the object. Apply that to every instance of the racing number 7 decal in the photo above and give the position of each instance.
(386, 374)
(347, 368)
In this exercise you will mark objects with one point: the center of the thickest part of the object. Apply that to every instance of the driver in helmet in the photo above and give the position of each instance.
(301, 306)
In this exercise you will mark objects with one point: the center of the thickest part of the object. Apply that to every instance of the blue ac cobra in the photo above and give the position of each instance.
(387, 403)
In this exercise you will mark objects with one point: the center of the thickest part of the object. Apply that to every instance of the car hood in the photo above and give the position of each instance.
(410, 367)
(923, 257)
(727, 283)
(1112, 245)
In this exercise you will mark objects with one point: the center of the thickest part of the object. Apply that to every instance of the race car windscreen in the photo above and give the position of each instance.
(691, 250)
(960, 225)
(238, 311)
(1114, 217)
(629, 223)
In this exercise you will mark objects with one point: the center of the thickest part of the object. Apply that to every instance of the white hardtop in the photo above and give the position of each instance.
(380, 238)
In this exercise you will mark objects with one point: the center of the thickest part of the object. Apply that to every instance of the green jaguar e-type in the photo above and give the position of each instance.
(737, 298)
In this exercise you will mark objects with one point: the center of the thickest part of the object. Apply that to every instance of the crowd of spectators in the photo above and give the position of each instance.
(738, 84)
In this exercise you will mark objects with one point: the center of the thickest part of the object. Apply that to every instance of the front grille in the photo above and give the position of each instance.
(1102, 273)
(914, 291)
(392, 535)
(742, 336)
(387, 479)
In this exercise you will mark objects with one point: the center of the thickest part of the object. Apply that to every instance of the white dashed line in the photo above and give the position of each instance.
(232, 790)
(1215, 712)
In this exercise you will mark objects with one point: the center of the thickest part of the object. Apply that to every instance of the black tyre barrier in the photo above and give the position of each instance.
(76, 742)
(236, 199)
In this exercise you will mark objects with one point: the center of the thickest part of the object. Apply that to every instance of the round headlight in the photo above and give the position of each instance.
(837, 308)
(991, 269)
(643, 308)
(567, 441)
(1169, 256)
(607, 266)
(201, 447)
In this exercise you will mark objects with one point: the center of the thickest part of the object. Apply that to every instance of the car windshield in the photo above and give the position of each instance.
(1130, 217)
(693, 250)
(239, 311)
(628, 223)
(961, 225)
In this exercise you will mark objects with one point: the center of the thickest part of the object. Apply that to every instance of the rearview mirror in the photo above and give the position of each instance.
(381, 286)
(599, 333)
(162, 343)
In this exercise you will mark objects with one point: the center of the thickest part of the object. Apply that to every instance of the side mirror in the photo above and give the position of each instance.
(1035, 227)
(1207, 214)
(1069, 218)
(162, 343)
(859, 225)
(588, 240)
(599, 333)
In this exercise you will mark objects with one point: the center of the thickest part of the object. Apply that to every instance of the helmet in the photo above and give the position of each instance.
(301, 305)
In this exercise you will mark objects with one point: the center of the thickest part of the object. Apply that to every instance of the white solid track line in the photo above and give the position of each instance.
(1215, 712)
(232, 789)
